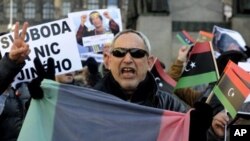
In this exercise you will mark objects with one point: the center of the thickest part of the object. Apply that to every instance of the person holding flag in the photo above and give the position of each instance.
(129, 80)
(220, 119)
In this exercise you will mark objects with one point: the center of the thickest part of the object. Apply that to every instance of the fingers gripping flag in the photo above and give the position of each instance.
(70, 113)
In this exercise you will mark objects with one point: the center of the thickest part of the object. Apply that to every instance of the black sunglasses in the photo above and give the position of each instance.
(134, 52)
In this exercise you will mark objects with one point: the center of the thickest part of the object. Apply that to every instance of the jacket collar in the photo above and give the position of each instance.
(145, 92)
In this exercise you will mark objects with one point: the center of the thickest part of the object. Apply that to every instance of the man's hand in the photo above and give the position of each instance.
(106, 14)
(182, 54)
(35, 90)
(83, 19)
(218, 124)
(19, 50)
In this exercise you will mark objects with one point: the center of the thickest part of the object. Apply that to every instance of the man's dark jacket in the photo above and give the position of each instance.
(8, 70)
(147, 94)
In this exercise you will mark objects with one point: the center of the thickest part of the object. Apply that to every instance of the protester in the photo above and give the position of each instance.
(103, 67)
(12, 62)
(14, 110)
(129, 78)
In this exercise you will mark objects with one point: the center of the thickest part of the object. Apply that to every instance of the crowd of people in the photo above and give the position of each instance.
(127, 76)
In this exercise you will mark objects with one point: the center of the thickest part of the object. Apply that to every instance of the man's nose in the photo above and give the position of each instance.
(127, 58)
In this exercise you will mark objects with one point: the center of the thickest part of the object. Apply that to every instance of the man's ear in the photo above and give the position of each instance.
(151, 60)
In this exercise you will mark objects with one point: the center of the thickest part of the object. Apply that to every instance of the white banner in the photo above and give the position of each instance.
(54, 39)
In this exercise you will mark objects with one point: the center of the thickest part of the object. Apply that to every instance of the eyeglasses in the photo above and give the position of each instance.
(134, 52)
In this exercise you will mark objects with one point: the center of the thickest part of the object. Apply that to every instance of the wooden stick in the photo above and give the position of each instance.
(217, 72)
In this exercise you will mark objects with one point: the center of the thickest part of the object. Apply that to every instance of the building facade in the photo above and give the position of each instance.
(42, 11)
(160, 20)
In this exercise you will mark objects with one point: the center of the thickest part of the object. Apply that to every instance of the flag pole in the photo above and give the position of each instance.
(217, 72)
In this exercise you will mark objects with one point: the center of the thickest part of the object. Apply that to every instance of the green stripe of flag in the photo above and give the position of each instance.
(198, 79)
(181, 40)
(230, 108)
(43, 112)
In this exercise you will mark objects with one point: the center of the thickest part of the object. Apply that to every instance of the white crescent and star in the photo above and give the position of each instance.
(190, 66)
(231, 92)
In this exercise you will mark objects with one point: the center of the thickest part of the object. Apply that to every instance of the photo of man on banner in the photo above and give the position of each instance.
(226, 39)
(95, 29)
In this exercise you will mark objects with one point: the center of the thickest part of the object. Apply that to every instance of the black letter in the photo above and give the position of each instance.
(4, 40)
(55, 29)
(42, 31)
(65, 27)
(53, 49)
(34, 34)
(66, 62)
(39, 52)
(22, 75)
(57, 65)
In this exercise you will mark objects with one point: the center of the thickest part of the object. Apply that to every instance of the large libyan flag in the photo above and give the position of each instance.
(200, 69)
(71, 113)
(233, 88)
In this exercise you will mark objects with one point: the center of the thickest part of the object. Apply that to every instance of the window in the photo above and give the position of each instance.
(93, 4)
(48, 11)
(8, 10)
(29, 10)
(242, 7)
(66, 8)
(112, 3)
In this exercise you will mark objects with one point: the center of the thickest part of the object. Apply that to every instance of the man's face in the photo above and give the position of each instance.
(65, 78)
(129, 71)
(97, 22)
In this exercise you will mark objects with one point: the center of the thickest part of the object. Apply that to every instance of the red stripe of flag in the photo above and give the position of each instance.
(201, 47)
(174, 126)
(242, 74)
(206, 34)
(238, 83)
(188, 36)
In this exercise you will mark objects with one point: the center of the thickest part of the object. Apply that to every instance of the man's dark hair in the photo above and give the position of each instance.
(92, 14)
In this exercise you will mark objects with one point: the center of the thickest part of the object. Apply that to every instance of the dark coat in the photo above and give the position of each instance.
(14, 112)
(147, 94)
(8, 70)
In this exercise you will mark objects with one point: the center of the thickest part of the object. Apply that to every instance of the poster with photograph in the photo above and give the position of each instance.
(95, 29)
(226, 39)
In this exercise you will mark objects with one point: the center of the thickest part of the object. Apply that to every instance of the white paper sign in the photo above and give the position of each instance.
(94, 28)
(54, 39)
(97, 39)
